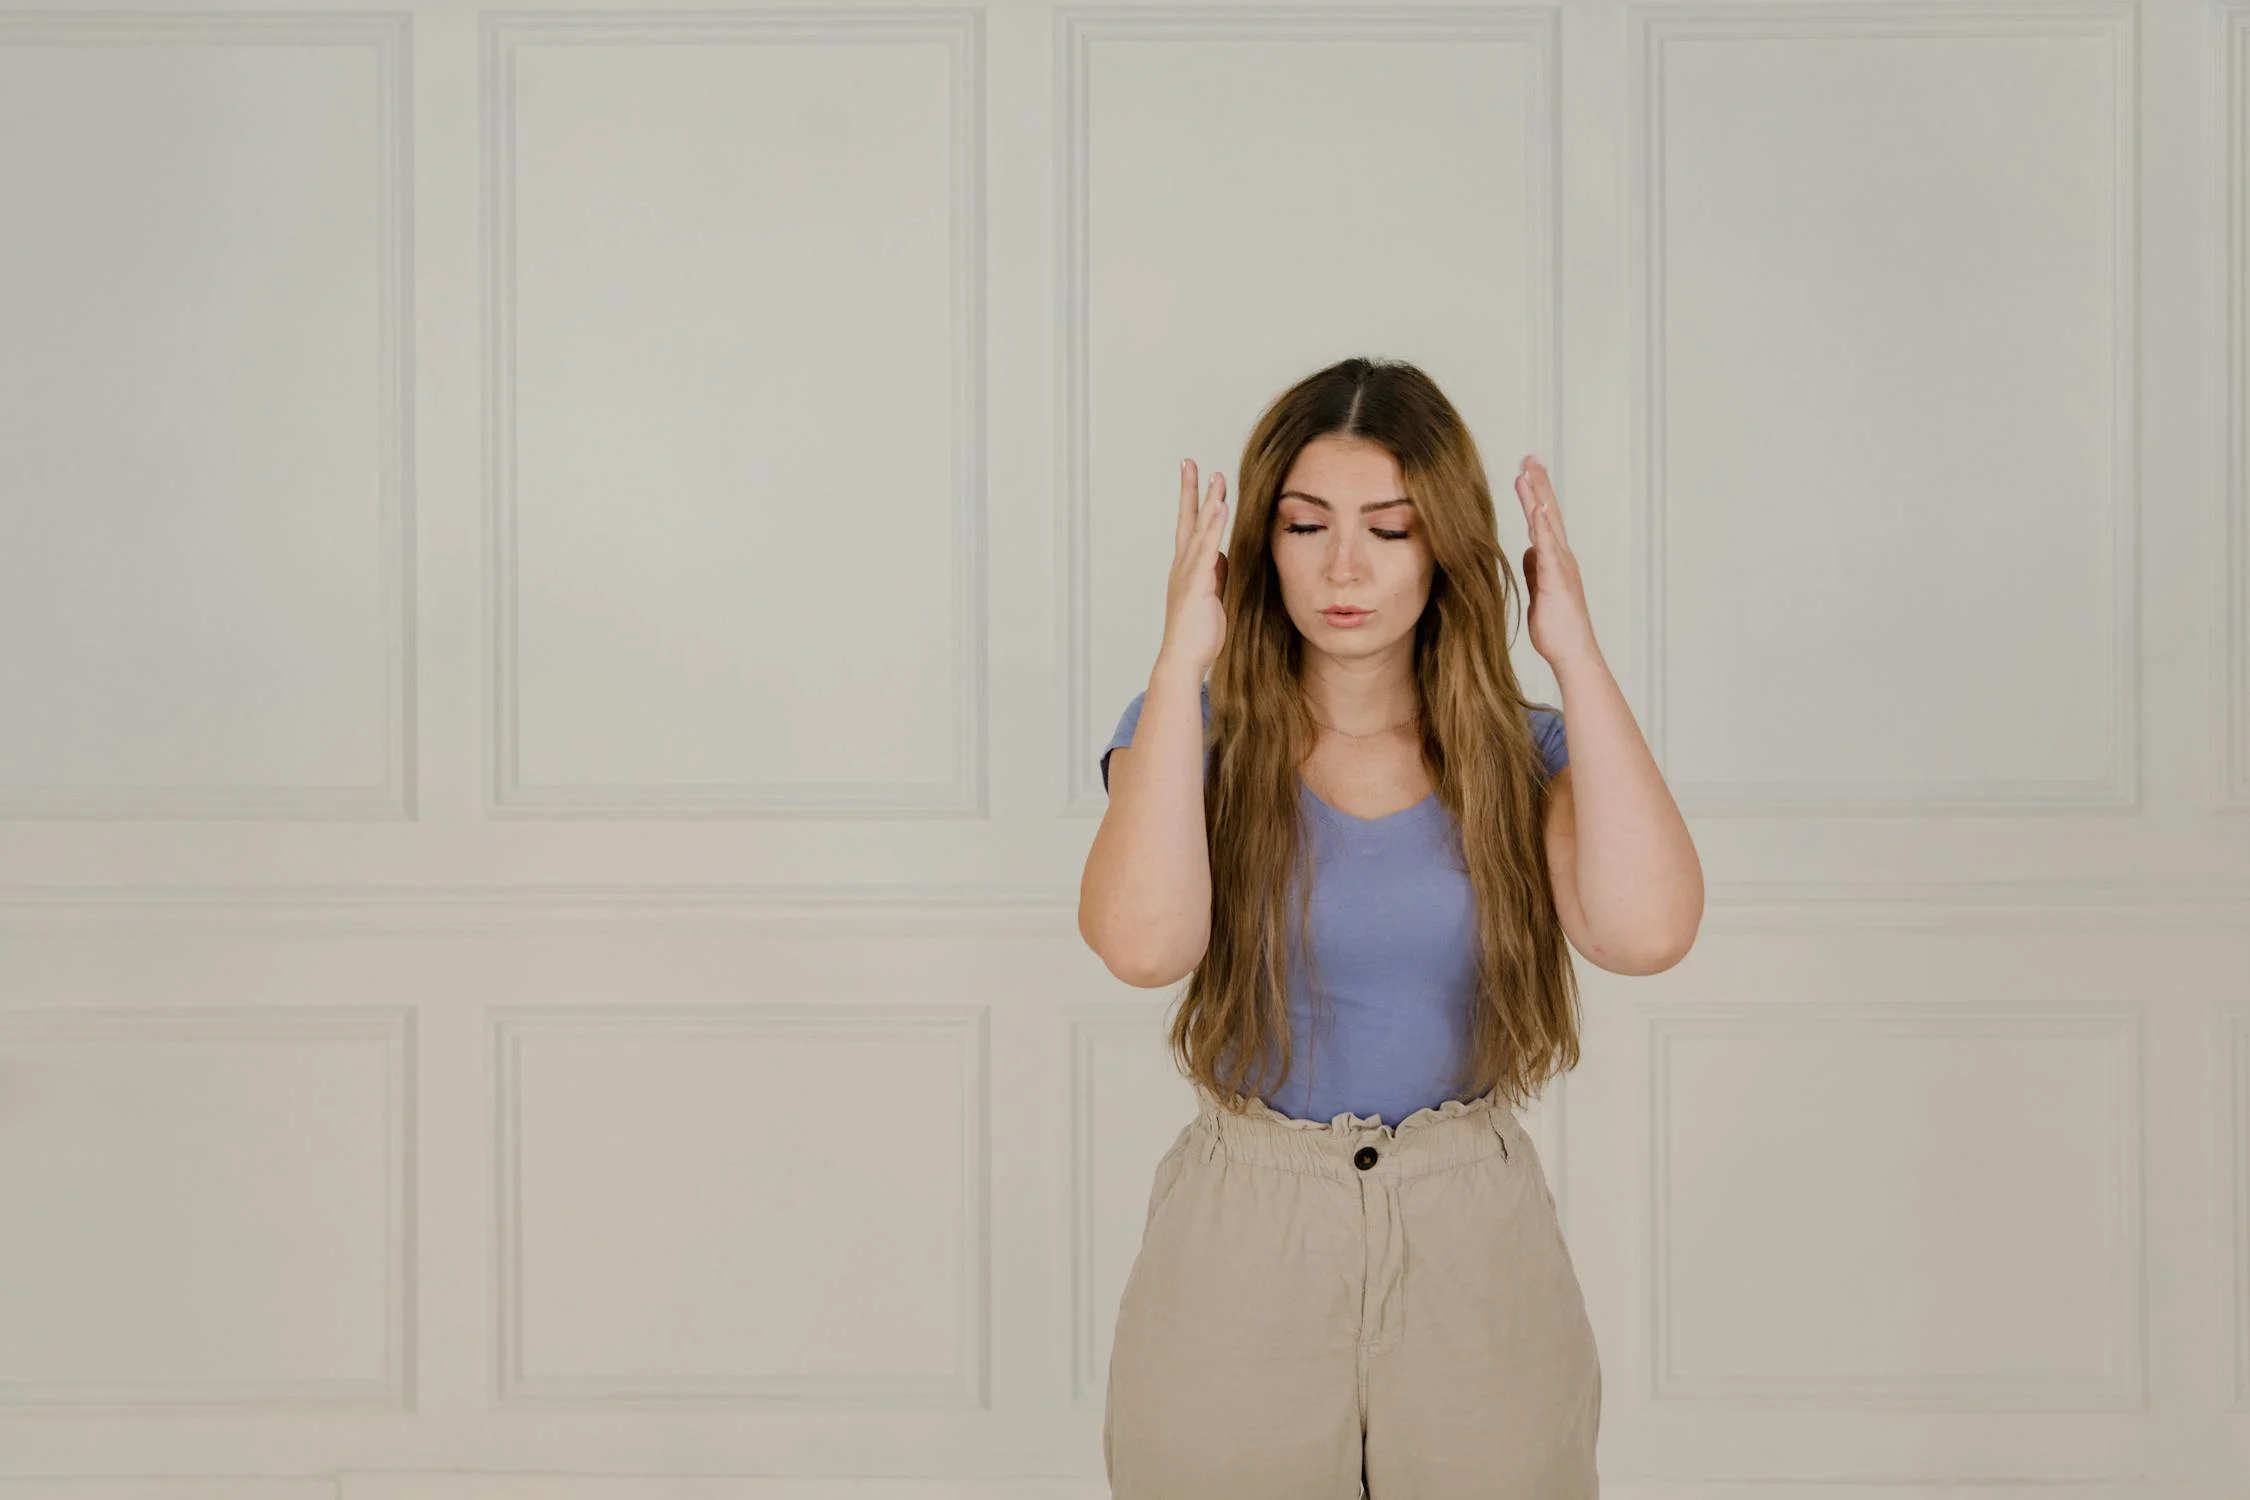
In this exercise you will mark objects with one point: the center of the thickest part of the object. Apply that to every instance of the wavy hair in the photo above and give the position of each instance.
(1476, 742)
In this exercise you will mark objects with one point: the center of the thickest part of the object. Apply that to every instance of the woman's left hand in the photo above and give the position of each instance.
(1556, 617)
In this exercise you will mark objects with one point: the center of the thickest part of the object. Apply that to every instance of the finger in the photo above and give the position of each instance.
(1197, 554)
(1213, 517)
(1539, 516)
(1550, 530)
(1542, 482)
(1543, 491)
(1184, 524)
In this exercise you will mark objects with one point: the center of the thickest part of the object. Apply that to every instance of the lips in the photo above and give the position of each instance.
(1343, 614)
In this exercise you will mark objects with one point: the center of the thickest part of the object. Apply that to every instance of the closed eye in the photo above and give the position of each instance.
(1388, 536)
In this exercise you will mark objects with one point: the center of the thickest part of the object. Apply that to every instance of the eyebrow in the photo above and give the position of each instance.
(1324, 505)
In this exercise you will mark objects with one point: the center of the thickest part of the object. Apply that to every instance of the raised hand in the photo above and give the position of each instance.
(1556, 618)
(1195, 621)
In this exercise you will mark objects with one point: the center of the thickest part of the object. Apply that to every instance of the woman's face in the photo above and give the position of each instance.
(1338, 539)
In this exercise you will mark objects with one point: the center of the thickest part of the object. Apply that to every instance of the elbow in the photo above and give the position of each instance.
(1658, 956)
(1663, 938)
(1139, 970)
(1147, 971)
(1658, 960)
(1143, 966)
(1650, 947)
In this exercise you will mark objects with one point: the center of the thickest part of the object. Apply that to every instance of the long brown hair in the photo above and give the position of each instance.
(1476, 741)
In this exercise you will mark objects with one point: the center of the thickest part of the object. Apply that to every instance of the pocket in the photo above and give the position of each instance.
(1538, 1171)
(1492, 1231)
(1169, 1169)
(1521, 1156)
(1487, 1243)
(1526, 1156)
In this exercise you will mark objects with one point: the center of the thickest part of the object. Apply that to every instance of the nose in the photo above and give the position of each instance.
(1343, 558)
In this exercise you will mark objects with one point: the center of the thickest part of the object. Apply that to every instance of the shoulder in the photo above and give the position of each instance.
(1547, 733)
(1132, 715)
(1122, 737)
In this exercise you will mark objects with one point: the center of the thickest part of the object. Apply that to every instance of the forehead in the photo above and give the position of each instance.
(1345, 471)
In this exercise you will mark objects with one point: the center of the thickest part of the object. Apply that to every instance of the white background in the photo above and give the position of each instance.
(563, 576)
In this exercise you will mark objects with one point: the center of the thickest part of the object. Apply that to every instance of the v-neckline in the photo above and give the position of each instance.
(1353, 820)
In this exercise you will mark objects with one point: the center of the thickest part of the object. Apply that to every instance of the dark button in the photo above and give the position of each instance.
(1364, 1158)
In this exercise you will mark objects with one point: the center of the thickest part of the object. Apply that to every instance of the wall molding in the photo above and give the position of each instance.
(964, 1387)
(1653, 31)
(2231, 55)
(505, 36)
(2122, 1388)
(388, 1029)
(1049, 909)
(1078, 31)
(388, 39)
(2231, 1046)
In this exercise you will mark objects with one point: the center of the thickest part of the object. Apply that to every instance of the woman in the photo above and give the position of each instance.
(1323, 1302)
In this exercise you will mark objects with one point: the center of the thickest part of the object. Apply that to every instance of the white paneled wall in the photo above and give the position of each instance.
(563, 574)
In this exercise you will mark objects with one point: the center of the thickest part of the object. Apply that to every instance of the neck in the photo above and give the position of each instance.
(1359, 698)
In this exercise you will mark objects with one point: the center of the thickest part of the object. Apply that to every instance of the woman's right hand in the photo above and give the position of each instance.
(1195, 621)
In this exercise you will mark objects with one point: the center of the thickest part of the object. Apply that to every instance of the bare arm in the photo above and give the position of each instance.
(1144, 903)
(1628, 885)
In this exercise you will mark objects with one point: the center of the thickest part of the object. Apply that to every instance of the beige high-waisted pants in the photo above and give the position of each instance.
(1317, 1306)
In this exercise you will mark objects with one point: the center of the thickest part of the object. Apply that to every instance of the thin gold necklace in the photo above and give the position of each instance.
(1369, 733)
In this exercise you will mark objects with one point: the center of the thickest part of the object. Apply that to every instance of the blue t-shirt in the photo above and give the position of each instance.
(1393, 932)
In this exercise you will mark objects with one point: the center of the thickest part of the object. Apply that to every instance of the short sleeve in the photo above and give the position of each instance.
(1547, 729)
(1132, 720)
